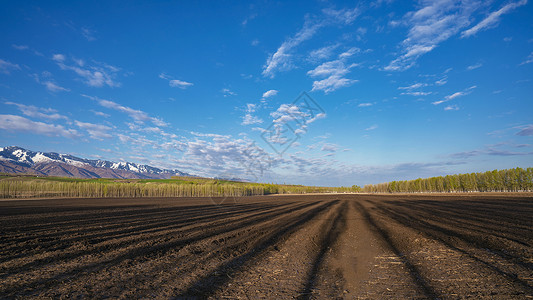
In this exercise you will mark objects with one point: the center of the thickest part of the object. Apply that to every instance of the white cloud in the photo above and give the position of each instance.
(96, 131)
(455, 95)
(330, 68)
(281, 60)
(492, 19)
(322, 53)
(451, 107)
(473, 67)
(526, 130)
(432, 24)
(18, 123)
(100, 114)
(49, 83)
(227, 92)
(20, 47)
(59, 57)
(38, 112)
(88, 34)
(98, 75)
(367, 104)
(222, 155)
(287, 113)
(270, 93)
(175, 82)
(528, 60)
(413, 86)
(329, 147)
(334, 71)
(442, 81)
(343, 16)
(349, 53)
(316, 117)
(179, 83)
(416, 94)
(137, 115)
(249, 118)
(6, 67)
(371, 127)
(332, 83)
(52, 87)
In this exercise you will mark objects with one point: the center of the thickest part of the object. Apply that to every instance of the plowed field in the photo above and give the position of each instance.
(274, 247)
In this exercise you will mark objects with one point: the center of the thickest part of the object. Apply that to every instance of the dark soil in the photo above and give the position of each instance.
(272, 247)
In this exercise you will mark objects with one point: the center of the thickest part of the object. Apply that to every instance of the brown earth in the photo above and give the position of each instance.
(271, 247)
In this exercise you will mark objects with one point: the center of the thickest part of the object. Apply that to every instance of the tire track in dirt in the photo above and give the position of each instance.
(151, 247)
(328, 235)
(156, 230)
(227, 253)
(208, 285)
(492, 238)
(514, 271)
(133, 218)
(422, 283)
(119, 230)
(307, 247)
(282, 271)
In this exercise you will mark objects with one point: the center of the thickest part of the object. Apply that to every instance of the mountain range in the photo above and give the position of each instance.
(15, 160)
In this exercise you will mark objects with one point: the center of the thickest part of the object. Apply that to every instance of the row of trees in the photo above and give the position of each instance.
(511, 180)
(52, 187)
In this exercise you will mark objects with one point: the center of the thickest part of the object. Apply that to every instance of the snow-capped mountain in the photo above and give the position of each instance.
(14, 159)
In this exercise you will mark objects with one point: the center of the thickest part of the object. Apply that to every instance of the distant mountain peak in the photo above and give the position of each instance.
(14, 159)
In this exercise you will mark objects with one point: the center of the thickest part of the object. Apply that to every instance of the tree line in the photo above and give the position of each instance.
(509, 180)
(27, 187)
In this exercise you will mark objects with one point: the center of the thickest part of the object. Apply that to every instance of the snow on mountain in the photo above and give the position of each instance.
(32, 159)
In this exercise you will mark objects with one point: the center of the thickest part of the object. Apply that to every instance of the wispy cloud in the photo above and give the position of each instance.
(97, 75)
(327, 147)
(432, 24)
(227, 92)
(528, 60)
(96, 131)
(371, 127)
(88, 34)
(526, 130)
(137, 115)
(334, 71)
(38, 112)
(322, 53)
(100, 114)
(451, 107)
(18, 123)
(455, 95)
(225, 156)
(442, 81)
(281, 60)
(48, 82)
(488, 151)
(270, 93)
(175, 82)
(413, 86)
(52, 87)
(416, 94)
(20, 47)
(6, 67)
(492, 19)
(366, 104)
(473, 67)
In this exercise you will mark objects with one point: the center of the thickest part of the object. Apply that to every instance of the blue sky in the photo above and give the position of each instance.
(318, 93)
